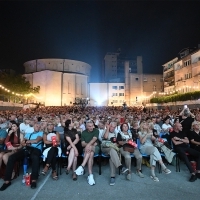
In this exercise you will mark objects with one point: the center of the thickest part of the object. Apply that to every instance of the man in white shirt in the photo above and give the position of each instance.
(101, 127)
(30, 129)
(23, 126)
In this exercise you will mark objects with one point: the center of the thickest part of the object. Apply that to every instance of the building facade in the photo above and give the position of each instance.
(114, 66)
(61, 81)
(137, 88)
(64, 82)
(182, 74)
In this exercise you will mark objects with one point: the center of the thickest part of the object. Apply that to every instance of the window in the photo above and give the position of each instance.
(154, 88)
(114, 94)
(161, 79)
(114, 87)
(145, 79)
(121, 87)
(187, 62)
(153, 79)
(136, 79)
(115, 101)
(121, 94)
(185, 76)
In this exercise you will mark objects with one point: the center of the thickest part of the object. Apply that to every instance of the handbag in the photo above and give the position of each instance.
(109, 144)
(128, 147)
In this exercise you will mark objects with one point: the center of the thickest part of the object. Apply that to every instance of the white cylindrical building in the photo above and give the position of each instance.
(60, 80)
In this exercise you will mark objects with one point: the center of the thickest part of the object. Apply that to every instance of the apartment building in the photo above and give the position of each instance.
(182, 74)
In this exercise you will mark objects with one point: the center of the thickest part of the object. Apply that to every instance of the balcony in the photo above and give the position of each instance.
(169, 76)
(167, 84)
(168, 69)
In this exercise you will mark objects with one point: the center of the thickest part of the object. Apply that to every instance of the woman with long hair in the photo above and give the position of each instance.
(147, 147)
(122, 138)
(73, 147)
(51, 150)
(14, 138)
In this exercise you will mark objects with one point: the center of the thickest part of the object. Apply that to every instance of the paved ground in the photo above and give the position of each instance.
(171, 186)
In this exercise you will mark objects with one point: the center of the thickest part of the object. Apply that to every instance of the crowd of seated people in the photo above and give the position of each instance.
(86, 131)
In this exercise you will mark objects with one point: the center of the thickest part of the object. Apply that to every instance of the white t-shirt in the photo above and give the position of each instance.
(165, 127)
(101, 134)
(82, 126)
(23, 127)
(49, 135)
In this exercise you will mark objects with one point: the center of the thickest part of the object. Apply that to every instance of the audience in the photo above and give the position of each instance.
(80, 129)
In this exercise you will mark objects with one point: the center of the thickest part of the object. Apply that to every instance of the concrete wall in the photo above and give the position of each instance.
(10, 106)
(98, 94)
(62, 65)
(175, 105)
(58, 88)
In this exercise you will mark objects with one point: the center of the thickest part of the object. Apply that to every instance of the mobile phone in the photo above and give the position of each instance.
(185, 106)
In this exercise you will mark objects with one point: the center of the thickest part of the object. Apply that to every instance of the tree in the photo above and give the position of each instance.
(16, 83)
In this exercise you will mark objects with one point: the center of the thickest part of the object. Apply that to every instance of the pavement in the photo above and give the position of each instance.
(171, 186)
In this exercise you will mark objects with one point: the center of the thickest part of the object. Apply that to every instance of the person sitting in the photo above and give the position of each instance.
(166, 127)
(51, 150)
(101, 128)
(181, 146)
(15, 138)
(146, 139)
(33, 143)
(90, 144)
(195, 136)
(186, 118)
(114, 161)
(73, 148)
(122, 138)
(3, 135)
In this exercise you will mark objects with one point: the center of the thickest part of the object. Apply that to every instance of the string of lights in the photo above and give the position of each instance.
(9, 91)
(17, 94)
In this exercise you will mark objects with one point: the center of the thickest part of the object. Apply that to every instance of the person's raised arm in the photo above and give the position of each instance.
(105, 136)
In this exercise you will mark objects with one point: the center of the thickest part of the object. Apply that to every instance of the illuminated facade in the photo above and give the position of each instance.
(137, 89)
(64, 81)
(60, 80)
(182, 75)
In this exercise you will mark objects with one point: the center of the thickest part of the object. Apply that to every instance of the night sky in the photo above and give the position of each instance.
(86, 31)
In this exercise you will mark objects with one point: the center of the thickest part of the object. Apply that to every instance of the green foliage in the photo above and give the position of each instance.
(17, 83)
(176, 97)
